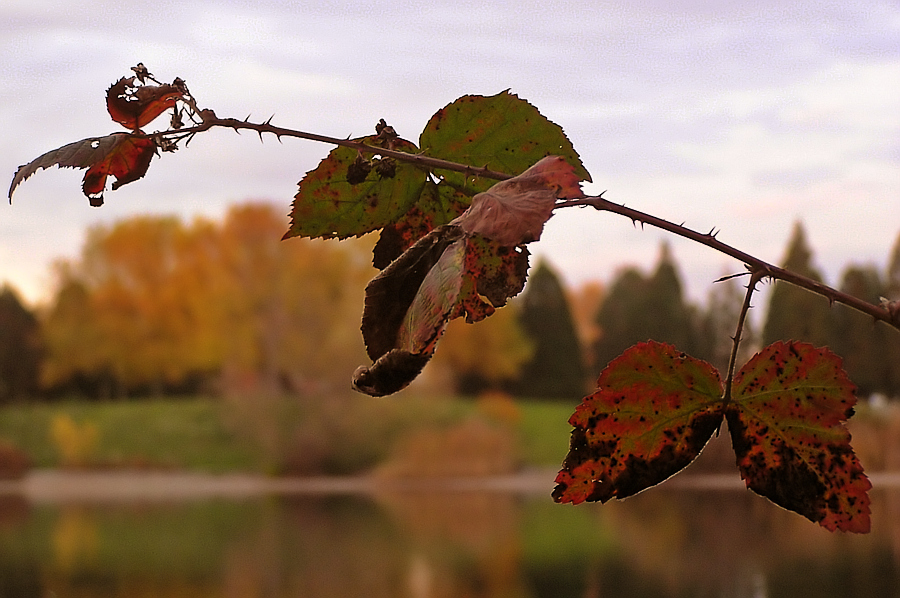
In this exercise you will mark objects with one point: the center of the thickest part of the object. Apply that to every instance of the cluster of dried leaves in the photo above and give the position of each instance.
(132, 102)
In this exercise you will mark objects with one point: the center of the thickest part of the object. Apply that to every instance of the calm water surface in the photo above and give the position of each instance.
(432, 543)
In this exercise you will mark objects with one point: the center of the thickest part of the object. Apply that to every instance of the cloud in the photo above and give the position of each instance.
(738, 115)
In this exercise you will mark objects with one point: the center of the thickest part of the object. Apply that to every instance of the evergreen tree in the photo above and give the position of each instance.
(670, 318)
(859, 340)
(892, 342)
(795, 313)
(557, 368)
(620, 317)
(20, 348)
(639, 308)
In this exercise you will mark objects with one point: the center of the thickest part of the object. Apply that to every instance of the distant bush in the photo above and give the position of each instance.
(14, 462)
(472, 447)
(76, 443)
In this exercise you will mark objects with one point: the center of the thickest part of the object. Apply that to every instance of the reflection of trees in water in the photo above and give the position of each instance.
(337, 547)
(731, 542)
(431, 544)
(463, 543)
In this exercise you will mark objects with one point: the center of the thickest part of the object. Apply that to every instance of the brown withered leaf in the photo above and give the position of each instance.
(422, 323)
(467, 268)
(391, 373)
(390, 295)
(123, 155)
(134, 106)
(514, 211)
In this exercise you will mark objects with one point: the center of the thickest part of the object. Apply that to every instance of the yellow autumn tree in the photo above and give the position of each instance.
(486, 354)
(154, 303)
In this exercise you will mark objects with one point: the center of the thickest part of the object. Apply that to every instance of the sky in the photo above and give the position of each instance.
(739, 116)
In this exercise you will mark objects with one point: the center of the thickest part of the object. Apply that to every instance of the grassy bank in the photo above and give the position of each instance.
(401, 436)
(189, 433)
(272, 435)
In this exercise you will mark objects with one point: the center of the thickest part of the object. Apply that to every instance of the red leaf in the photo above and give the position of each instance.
(786, 422)
(514, 211)
(128, 161)
(133, 105)
(654, 410)
(494, 273)
(122, 155)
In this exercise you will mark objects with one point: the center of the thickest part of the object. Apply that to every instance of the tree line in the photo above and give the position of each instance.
(154, 306)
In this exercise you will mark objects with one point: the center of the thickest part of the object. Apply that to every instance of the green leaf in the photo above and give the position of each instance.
(328, 206)
(503, 132)
(654, 410)
(787, 427)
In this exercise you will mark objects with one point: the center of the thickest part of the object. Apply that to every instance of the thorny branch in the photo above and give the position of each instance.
(210, 120)
(755, 277)
(754, 264)
(759, 268)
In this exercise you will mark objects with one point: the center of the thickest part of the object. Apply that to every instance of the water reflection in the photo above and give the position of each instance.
(430, 544)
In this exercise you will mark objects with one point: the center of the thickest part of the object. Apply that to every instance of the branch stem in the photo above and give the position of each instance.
(754, 264)
(266, 127)
(755, 277)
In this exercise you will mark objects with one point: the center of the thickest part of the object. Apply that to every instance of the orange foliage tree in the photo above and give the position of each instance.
(153, 303)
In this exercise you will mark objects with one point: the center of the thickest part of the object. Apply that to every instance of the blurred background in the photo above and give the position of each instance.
(171, 332)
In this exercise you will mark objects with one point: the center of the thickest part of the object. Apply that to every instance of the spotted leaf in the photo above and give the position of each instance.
(502, 132)
(328, 205)
(493, 274)
(438, 205)
(786, 419)
(654, 410)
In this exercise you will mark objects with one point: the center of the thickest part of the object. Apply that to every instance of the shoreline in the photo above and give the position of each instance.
(55, 486)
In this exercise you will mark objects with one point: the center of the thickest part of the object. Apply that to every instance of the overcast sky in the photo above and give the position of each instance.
(743, 116)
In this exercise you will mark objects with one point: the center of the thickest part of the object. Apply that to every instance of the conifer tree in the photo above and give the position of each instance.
(794, 313)
(20, 347)
(860, 341)
(670, 317)
(557, 368)
(640, 308)
(619, 317)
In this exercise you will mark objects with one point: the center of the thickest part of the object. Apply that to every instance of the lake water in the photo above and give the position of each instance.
(430, 541)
